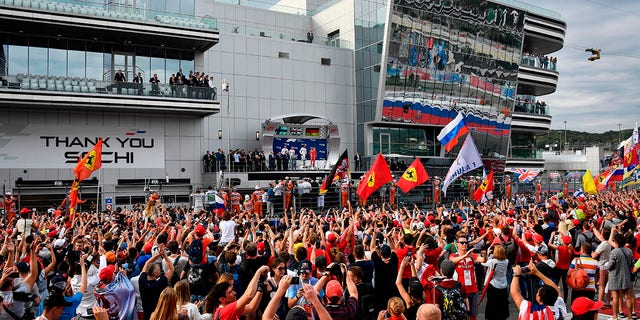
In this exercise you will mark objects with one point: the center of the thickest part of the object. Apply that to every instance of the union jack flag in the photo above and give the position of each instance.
(525, 175)
(296, 131)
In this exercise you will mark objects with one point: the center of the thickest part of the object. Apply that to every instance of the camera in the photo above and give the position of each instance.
(295, 280)
(525, 270)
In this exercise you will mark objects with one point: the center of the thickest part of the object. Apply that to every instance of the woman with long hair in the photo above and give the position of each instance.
(395, 310)
(184, 301)
(563, 261)
(166, 307)
(278, 269)
(497, 293)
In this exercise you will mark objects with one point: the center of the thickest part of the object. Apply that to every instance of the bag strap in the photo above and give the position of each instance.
(13, 315)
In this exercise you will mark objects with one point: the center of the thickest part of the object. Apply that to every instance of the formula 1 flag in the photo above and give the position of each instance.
(468, 159)
(485, 187)
(91, 162)
(376, 177)
(340, 170)
(453, 131)
(414, 176)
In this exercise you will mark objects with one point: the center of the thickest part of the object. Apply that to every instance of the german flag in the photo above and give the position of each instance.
(340, 170)
(376, 177)
(91, 162)
(414, 176)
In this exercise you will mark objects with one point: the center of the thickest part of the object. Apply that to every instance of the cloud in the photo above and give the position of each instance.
(596, 96)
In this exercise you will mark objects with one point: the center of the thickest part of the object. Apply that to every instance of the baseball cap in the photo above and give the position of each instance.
(583, 305)
(537, 238)
(296, 313)
(543, 250)
(200, 230)
(22, 267)
(304, 267)
(261, 246)
(110, 256)
(56, 300)
(59, 243)
(510, 220)
(331, 237)
(59, 282)
(334, 289)
(25, 210)
(106, 274)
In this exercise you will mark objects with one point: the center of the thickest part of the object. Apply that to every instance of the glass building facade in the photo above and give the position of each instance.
(55, 57)
(446, 58)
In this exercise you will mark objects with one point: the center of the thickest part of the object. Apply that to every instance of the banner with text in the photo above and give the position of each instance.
(46, 146)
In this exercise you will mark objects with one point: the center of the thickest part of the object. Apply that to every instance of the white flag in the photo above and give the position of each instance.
(467, 160)
(635, 138)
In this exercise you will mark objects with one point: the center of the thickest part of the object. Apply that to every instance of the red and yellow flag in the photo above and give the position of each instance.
(414, 176)
(631, 158)
(486, 186)
(376, 177)
(91, 162)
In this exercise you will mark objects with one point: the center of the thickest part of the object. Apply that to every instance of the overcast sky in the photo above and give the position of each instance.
(597, 96)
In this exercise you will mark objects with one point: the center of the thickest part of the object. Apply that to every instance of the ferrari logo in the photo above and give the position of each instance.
(91, 157)
(372, 180)
(410, 175)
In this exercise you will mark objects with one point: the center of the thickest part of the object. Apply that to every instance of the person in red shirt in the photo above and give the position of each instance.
(256, 198)
(565, 253)
(312, 157)
(344, 193)
(406, 248)
(538, 192)
(436, 191)
(507, 184)
(227, 307)
(465, 261)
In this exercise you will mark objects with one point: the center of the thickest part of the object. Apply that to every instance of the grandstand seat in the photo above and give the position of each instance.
(51, 85)
(75, 88)
(84, 89)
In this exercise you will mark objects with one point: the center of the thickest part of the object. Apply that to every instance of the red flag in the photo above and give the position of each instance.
(376, 177)
(414, 176)
(486, 186)
(340, 170)
(91, 162)
(631, 158)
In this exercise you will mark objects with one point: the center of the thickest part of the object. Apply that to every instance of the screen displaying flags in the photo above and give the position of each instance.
(414, 176)
(453, 131)
(468, 159)
(588, 184)
(485, 187)
(525, 175)
(340, 170)
(91, 162)
(376, 177)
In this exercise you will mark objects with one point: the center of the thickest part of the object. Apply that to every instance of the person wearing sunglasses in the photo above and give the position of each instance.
(465, 261)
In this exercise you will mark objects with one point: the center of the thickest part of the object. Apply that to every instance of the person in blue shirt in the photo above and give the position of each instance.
(62, 282)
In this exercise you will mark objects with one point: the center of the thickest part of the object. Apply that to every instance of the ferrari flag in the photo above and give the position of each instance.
(376, 177)
(414, 176)
(339, 171)
(91, 162)
(486, 186)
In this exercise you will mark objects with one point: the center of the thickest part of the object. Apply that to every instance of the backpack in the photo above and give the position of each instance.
(452, 303)
(577, 278)
(592, 240)
(367, 305)
(196, 252)
(510, 249)
(175, 277)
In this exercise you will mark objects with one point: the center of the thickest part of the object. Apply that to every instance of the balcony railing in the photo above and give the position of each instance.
(523, 152)
(115, 11)
(93, 86)
(544, 62)
(540, 108)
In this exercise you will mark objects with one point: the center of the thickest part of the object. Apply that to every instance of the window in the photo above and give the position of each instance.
(283, 55)
(325, 61)
(333, 39)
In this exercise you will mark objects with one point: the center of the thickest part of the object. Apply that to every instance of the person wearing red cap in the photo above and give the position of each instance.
(565, 253)
(25, 224)
(338, 309)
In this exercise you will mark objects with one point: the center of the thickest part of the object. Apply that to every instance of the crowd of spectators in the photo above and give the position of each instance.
(351, 262)
(196, 85)
(539, 61)
(531, 106)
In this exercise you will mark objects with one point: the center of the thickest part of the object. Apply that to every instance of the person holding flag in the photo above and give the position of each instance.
(339, 171)
(91, 162)
(468, 159)
(481, 194)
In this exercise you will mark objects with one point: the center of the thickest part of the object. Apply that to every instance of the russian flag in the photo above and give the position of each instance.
(453, 131)
(616, 175)
(220, 207)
